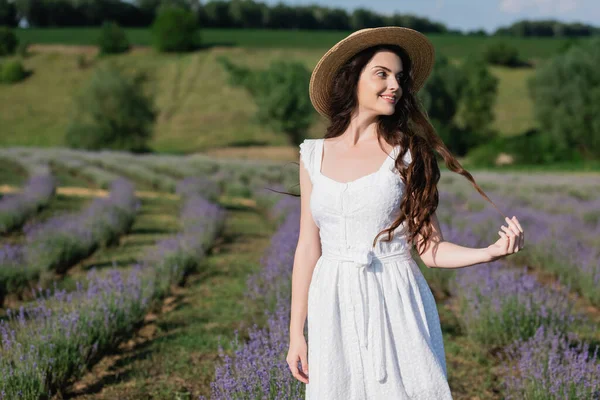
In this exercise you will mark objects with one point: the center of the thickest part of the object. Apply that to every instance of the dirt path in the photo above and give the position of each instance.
(87, 192)
(75, 49)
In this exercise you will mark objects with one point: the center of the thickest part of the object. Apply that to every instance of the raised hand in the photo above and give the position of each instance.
(512, 239)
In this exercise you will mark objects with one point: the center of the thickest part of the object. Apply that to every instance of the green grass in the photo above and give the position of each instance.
(470, 367)
(66, 178)
(198, 109)
(454, 46)
(11, 173)
(514, 107)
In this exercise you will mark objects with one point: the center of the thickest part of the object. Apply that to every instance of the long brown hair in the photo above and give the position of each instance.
(408, 127)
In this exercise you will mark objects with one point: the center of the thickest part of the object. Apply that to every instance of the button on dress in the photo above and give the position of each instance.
(373, 327)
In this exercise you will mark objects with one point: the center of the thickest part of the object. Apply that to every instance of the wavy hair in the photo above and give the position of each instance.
(408, 127)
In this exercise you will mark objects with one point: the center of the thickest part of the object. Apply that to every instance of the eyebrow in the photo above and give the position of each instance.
(387, 69)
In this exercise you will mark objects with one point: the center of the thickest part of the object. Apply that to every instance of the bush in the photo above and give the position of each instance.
(175, 29)
(112, 39)
(478, 99)
(486, 154)
(502, 54)
(534, 147)
(12, 72)
(566, 94)
(442, 92)
(112, 112)
(468, 92)
(281, 94)
(8, 41)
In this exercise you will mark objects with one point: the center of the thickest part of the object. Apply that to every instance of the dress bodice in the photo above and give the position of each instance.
(349, 215)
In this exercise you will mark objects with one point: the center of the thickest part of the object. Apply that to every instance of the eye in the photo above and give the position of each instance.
(400, 76)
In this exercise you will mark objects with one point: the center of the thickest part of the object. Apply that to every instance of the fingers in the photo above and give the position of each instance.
(506, 241)
(304, 364)
(298, 374)
(522, 237)
(511, 238)
(515, 225)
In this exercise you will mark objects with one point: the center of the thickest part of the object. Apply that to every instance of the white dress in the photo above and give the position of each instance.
(373, 326)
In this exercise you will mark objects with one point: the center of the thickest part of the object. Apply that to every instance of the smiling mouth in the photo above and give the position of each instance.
(389, 100)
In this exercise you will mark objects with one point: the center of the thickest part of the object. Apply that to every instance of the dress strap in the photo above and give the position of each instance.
(307, 155)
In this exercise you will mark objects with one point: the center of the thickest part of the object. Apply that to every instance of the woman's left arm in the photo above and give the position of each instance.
(443, 254)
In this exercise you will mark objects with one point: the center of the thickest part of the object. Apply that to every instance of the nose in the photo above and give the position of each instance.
(394, 84)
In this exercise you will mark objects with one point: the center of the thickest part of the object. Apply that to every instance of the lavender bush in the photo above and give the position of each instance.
(208, 188)
(257, 368)
(499, 305)
(175, 257)
(65, 239)
(562, 237)
(16, 208)
(54, 340)
(14, 273)
(551, 366)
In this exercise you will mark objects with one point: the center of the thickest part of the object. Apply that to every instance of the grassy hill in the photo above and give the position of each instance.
(198, 109)
(454, 46)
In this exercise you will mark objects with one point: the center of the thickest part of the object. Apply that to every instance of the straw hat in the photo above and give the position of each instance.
(419, 49)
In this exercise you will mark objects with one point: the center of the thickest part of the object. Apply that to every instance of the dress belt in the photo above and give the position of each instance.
(373, 312)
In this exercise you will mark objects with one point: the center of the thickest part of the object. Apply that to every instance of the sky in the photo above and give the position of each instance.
(472, 14)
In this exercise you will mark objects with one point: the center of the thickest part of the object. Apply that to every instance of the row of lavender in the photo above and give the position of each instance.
(63, 240)
(38, 191)
(257, 368)
(16, 208)
(161, 172)
(51, 342)
(504, 308)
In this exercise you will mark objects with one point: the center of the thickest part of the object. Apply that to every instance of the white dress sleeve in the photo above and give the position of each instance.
(307, 149)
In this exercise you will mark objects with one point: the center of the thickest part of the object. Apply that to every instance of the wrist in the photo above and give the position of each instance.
(294, 334)
(487, 257)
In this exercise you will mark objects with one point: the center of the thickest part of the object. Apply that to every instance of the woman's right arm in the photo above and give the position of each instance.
(307, 253)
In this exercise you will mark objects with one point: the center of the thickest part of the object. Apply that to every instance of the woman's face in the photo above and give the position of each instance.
(380, 77)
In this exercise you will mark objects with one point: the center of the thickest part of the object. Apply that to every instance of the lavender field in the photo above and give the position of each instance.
(164, 277)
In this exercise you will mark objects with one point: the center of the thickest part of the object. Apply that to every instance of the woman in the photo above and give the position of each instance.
(373, 327)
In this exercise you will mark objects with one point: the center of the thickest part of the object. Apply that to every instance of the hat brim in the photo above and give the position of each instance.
(418, 47)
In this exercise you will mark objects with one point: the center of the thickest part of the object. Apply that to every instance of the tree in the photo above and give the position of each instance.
(246, 14)
(478, 99)
(566, 94)
(8, 41)
(441, 97)
(112, 112)
(175, 29)
(362, 18)
(442, 91)
(501, 53)
(215, 14)
(112, 39)
(8, 13)
(281, 94)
